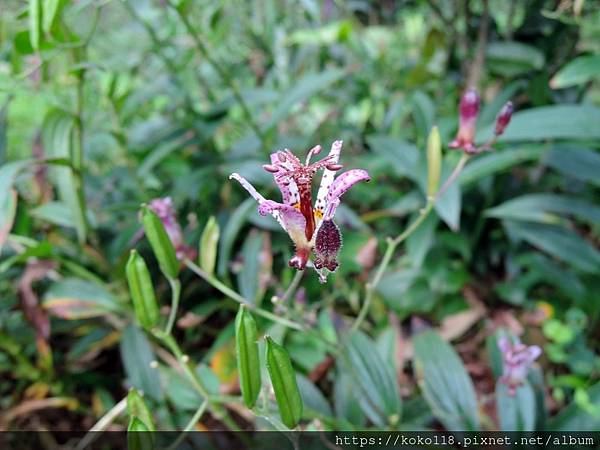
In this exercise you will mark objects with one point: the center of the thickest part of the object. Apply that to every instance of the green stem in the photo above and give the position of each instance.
(393, 243)
(292, 287)
(219, 285)
(191, 424)
(175, 294)
(224, 74)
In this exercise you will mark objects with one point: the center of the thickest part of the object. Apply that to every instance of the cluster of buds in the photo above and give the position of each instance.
(470, 104)
(517, 358)
(309, 224)
(163, 208)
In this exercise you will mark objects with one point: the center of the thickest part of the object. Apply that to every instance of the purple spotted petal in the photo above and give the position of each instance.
(341, 184)
(287, 186)
(533, 353)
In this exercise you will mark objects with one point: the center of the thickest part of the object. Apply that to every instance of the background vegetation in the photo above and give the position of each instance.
(105, 105)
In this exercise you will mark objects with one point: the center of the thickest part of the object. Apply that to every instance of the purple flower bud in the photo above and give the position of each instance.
(517, 359)
(469, 110)
(327, 245)
(503, 118)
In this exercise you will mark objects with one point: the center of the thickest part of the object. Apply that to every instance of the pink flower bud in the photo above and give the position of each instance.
(469, 110)
(503, 118)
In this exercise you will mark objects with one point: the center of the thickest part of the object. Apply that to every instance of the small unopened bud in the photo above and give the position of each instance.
(334, 167)
(271, 168)
(503, 118)
(469, 105)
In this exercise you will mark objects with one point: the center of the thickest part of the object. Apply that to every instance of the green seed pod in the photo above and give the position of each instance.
(136, 407)
(284, 383)
(434, 161)
(139, 437)
(142, 291)
(248, 362)
(208, 246)
(160, 243)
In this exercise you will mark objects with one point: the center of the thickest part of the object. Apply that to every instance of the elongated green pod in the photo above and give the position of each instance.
(248, 362)
(285, 386)
(434, 161)
(141, 289)
(161, 244)
(35, 23)
(208, 246)
(136, 407)
(139, 437)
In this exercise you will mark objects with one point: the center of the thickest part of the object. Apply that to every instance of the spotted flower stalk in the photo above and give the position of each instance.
(517, 358)
(470, 104)
(309, 225)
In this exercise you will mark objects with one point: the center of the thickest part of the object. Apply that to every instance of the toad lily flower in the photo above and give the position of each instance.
(517, 358)
(310, 227)
(470, 104)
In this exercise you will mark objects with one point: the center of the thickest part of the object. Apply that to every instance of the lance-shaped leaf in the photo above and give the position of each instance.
(285, 386)
(142, 291)
(208, 246)
(35, 23)
(434, 161)
(161, 244)
(445, 383)
(247, 356)
(136, 407)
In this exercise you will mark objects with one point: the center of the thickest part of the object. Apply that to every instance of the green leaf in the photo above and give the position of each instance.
(303, 89)
(248, 362)
(574, 417)
(559, 242)
(74, 299)
(513, 58)
(445, 383)
(577, 162)
(136, 407)
(249, 277)
(518, 412)
(51, 10)
(57, 135)
(577, 122)
(230, 233)
(285, 386)
(208, 246)
(35, 23)
(537, 208)
(315, 403)
(345, 399)
(578, 71)
(378, 391)
(490, 164)
(142, 291)
(57, 213)
(160, 242)
(137, 355)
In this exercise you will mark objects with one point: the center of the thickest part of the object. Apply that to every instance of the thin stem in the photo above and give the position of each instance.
(476, 68)
(387, 257)
(175, 293)
(292, 287)
(219, 285)
(393, 243)
(222, 72)
(102, 424)
(454, 175)
(191, 424)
